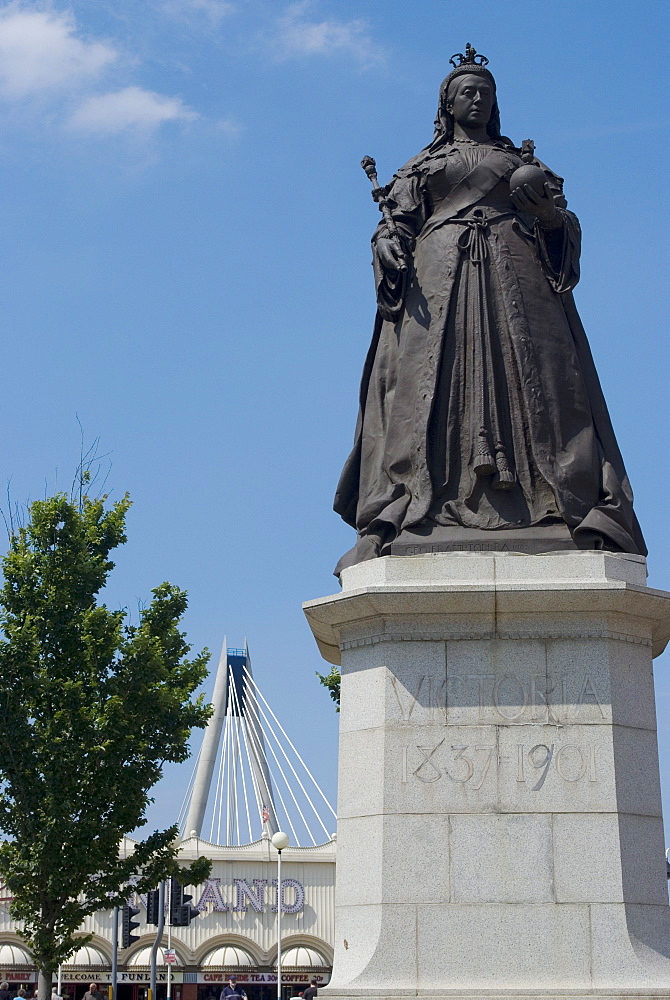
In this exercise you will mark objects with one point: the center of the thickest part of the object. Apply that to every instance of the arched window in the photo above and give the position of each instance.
(303, 957)
(228, 956)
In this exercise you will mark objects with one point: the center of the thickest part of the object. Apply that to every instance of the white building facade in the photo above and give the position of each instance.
(236, 931)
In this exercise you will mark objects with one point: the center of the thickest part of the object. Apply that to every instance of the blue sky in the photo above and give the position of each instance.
(185, 244)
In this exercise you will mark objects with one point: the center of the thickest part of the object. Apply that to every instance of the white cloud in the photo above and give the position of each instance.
(213, 11)
(45, 60)
(298, 35)
(229, 127)
(131, 108)
(40, 53)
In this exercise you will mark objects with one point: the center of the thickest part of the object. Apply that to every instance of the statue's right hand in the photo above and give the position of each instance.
(390, 255)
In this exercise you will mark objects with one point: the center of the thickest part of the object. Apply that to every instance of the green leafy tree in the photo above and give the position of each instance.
(331, 681)
(91, 707)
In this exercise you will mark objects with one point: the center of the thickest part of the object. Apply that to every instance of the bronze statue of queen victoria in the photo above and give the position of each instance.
(481, 413)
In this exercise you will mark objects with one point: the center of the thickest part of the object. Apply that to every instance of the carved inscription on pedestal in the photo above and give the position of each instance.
(527, 699)
(572, 762)
(472, 764)
(426, 702)
(492, 698)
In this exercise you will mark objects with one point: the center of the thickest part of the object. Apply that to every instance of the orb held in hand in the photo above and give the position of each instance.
(528, 173)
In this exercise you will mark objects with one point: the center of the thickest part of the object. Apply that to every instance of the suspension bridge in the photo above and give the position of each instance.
(248, 778)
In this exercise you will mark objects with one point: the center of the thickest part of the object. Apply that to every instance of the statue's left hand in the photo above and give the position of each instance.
(543, 207)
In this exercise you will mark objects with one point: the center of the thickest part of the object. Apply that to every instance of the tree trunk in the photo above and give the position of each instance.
(44, 980)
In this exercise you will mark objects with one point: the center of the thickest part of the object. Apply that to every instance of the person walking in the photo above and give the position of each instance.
(93, 993)
(311, 990)
(5, 992)
(230, 992)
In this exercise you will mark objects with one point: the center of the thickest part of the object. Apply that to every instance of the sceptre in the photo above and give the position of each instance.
(379, 195)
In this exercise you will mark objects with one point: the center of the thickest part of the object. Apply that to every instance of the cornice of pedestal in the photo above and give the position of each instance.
(464, 595)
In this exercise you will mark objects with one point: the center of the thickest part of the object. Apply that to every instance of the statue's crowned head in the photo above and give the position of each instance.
(468, 64)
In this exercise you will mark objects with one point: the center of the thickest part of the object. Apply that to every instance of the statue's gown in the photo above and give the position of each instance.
(480, 403)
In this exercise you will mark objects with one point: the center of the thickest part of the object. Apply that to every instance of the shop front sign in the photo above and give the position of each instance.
(258, 978)
(18, 976)
(104, 976)
(145, 977)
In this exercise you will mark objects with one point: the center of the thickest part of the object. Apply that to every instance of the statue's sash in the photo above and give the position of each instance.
(472, 188)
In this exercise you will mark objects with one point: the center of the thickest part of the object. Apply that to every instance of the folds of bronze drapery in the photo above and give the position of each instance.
(491, 450)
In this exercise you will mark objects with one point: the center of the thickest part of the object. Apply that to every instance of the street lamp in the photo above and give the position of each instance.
(279, 841)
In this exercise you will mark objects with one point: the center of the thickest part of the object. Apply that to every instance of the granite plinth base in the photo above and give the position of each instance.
(499, 820)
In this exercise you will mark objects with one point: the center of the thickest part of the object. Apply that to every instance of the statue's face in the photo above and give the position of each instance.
(470, 100)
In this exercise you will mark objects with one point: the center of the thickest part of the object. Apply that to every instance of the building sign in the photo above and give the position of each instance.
(145, 977)
(104, 976)
(258, 978)
(245, 894)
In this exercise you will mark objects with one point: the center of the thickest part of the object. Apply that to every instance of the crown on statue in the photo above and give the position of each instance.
(470, 59)
(471, 62)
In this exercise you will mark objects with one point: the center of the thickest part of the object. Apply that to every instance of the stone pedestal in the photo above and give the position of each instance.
(499, 830)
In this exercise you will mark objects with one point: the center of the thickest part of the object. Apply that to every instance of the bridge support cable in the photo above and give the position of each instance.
(288, 761)
(259, 693)
(287, 814)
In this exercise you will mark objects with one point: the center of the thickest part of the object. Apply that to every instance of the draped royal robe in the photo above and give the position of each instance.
(480, 405)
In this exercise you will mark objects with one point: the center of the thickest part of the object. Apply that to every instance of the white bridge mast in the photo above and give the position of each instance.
(234, 705)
